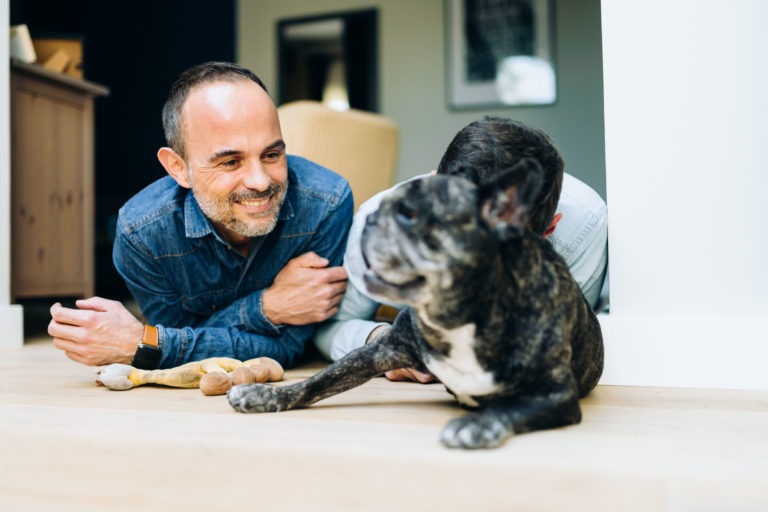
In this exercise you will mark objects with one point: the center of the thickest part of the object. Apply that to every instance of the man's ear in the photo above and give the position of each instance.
(553, 224)
(505, 204)
(174, 165)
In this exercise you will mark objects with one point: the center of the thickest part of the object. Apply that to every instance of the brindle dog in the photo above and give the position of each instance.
(494, 313)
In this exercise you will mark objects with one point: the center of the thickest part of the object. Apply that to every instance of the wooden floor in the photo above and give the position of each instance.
(67, 444)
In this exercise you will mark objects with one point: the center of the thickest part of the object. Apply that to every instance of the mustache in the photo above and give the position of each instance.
(273, 189)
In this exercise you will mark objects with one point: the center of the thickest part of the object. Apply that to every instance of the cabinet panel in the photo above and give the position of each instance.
(52, 188)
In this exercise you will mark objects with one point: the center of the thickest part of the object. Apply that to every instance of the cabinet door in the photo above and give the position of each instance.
(52, 189)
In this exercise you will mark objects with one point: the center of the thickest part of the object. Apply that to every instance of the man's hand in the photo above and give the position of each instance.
(305, 291)
(402, 373)
(409, 374)
(99, 332)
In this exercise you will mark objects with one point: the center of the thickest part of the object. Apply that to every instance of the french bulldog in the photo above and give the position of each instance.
(492, 311)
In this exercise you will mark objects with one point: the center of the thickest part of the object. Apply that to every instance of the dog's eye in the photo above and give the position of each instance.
(405, 214)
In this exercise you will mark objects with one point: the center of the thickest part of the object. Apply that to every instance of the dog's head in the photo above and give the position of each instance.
(432, 237)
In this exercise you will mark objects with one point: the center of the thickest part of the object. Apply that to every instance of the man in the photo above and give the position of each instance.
(236, 253)
(478, 152)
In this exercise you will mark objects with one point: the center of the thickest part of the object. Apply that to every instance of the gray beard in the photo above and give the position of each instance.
(221, 211)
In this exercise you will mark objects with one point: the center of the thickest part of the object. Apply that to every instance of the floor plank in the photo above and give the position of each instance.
(67, 444)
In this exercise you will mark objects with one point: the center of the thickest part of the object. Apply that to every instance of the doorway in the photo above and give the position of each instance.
(331, 58)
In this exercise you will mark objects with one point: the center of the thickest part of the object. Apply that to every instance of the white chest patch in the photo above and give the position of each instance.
(461, 372)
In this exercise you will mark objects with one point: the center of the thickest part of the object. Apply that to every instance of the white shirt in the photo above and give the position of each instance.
(581, 238)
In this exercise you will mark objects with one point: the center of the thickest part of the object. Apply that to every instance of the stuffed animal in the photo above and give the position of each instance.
(214, 376)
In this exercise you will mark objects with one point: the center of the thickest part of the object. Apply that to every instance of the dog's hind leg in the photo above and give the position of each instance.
(492, 425)
(356, 368)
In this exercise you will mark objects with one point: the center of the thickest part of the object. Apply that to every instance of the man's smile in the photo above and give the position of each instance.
(260, 203)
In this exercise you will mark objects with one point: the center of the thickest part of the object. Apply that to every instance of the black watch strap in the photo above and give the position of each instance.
(146, 357)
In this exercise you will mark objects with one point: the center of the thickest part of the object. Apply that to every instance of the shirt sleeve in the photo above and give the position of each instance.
(350, 327)
(230, 333)
(581, 236)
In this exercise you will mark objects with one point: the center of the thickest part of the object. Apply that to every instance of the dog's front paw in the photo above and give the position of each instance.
(475, 431)
(255, 398)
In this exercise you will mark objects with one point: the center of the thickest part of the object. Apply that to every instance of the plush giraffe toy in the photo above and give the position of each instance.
(214, 376)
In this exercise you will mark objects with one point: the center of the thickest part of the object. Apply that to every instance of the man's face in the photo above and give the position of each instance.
(235, 157)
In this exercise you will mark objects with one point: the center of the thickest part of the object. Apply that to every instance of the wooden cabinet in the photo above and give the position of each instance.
(52, 203)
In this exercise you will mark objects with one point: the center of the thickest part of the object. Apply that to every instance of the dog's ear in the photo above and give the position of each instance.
(504, 204)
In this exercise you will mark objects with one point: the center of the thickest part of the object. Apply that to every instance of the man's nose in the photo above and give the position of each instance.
(256, 177)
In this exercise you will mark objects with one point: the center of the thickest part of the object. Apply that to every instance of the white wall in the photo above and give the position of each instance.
(686, 117)
(11, 319)
(412, 76)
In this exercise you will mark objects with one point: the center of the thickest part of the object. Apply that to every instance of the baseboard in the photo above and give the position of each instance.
(728, 352)
(12, 322)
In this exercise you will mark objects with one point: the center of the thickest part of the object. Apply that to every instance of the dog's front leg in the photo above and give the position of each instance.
(492, 425)
(356, 368)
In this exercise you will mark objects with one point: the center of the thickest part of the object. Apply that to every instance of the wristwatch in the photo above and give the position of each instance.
(147, 355)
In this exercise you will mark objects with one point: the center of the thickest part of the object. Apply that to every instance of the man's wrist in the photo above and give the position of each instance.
(148, 352)
(272, 316)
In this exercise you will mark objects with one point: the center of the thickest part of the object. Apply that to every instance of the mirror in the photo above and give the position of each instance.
(330, 58)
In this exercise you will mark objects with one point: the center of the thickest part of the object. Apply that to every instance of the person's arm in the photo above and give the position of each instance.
(353, 326)
(241, 330)
(581, 236)
(350, 328)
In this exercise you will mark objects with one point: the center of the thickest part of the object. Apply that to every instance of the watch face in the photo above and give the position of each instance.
(146, 357)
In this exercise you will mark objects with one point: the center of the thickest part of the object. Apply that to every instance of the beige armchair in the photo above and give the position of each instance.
(361, 146)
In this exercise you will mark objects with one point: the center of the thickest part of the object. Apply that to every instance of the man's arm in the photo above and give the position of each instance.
(353, 324)
(303, 293)
(242, 330)
(581, 236)
(350, 327)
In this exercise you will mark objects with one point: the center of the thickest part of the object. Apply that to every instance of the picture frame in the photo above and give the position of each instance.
(500, 53)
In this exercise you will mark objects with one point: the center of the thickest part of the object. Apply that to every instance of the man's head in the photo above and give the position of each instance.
(484, 148)
(225, 144)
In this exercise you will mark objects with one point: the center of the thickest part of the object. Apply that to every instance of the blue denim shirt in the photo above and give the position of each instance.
(202, 294)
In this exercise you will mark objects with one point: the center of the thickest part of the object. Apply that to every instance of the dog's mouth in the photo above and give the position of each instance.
(390, 281)
(375, 279)
(377, 282)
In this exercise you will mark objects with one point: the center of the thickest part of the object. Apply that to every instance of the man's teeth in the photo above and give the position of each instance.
(254, 203)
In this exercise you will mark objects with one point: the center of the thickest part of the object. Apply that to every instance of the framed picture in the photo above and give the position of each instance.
(500, 53)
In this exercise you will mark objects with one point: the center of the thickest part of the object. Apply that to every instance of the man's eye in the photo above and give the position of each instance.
(273, 156)
(231, 163)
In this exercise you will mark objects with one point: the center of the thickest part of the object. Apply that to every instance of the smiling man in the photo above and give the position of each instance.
(236, 253)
